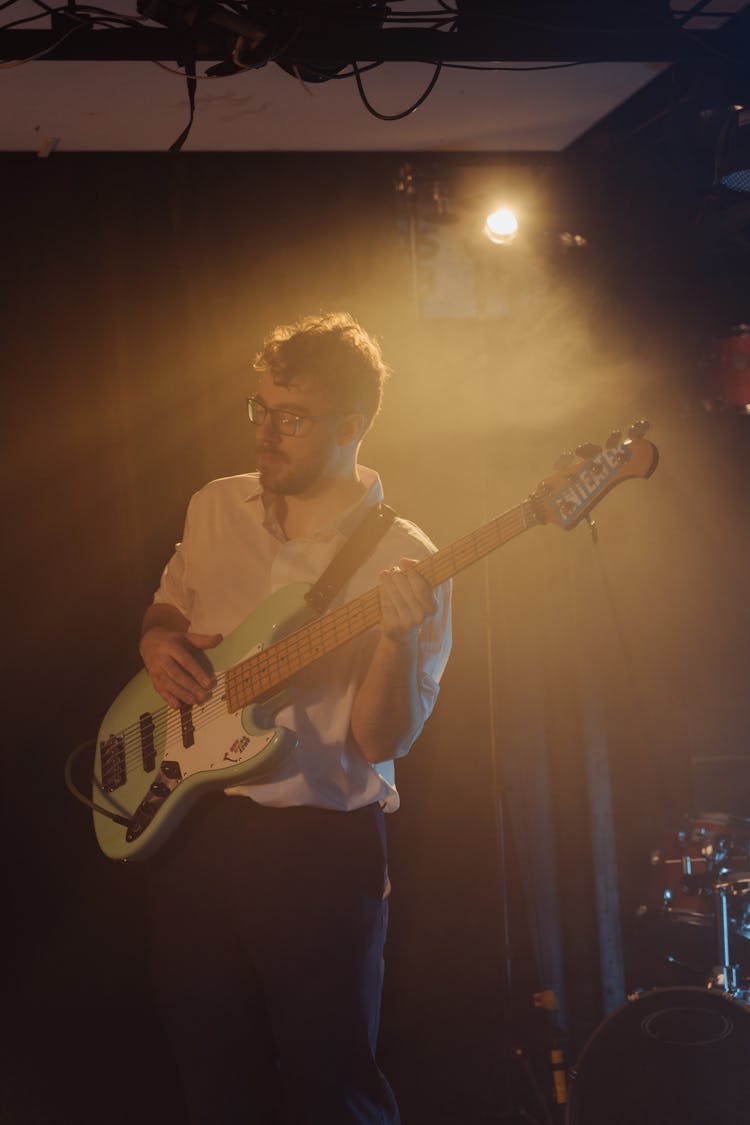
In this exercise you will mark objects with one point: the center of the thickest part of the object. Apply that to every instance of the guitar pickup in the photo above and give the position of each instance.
(186, 725)
(148, 749)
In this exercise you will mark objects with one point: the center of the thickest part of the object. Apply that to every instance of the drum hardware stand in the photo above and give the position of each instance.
(547, 1000)
(531, 1107)
(520, 1113)
(528, 1102)
(724, 976)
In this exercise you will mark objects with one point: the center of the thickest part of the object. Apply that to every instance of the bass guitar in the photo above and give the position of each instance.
(153, 762)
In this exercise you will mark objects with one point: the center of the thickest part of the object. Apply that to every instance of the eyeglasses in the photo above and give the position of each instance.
(283, 421)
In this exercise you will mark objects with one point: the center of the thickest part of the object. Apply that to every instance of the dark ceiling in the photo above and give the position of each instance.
(347, 76)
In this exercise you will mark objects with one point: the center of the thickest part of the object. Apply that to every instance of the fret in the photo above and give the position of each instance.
(474, 546)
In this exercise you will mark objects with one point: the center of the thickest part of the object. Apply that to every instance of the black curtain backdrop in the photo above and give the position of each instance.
(137, 288)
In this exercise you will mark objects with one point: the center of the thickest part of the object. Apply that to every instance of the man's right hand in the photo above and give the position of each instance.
(173, 662)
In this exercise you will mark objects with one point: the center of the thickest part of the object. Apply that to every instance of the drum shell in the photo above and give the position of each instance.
(674, 1056)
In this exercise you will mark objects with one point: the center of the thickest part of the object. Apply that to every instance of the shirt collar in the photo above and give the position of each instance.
(344, 523)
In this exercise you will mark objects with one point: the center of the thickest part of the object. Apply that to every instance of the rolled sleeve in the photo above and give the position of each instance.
(174, 587)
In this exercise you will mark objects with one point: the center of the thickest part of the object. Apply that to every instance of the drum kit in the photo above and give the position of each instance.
(680, 1055)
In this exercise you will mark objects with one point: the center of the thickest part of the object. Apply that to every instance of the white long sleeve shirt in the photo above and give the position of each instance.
(233, 555)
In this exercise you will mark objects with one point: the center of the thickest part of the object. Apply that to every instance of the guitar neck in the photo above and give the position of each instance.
(262, 675)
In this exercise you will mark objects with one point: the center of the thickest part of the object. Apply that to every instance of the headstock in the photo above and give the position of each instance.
(585, 477)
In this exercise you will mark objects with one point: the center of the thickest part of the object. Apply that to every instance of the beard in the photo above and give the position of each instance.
(280, 475)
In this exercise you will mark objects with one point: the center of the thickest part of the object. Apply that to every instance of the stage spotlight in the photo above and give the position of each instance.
(501, 227)
(733, 152)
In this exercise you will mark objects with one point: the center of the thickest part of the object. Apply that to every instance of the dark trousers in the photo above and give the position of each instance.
(268, 928)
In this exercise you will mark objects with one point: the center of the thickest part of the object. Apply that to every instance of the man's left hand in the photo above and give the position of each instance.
(407, 601)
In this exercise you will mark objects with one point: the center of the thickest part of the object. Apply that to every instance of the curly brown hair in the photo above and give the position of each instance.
(333, 350)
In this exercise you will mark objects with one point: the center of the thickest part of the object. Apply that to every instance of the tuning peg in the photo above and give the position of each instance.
(639, 428)
(613, 440)
(565, 459)
(587, 449)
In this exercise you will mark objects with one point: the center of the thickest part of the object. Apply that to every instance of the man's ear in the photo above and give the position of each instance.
(351, 428)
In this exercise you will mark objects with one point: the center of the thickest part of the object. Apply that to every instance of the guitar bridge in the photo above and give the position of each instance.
(114, 770)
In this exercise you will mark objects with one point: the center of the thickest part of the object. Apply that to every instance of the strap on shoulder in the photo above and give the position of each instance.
(358, 547)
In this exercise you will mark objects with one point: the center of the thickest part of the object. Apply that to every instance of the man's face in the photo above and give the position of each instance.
(295, 465)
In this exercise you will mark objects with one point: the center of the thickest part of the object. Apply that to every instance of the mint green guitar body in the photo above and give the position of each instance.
(152, 762)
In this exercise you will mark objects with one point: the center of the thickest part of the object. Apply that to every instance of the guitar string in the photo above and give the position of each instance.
(246, 671)
(271, 667)
(253, 665)
(266, 671)
(265, 675)
(266, 666)
(269, 663)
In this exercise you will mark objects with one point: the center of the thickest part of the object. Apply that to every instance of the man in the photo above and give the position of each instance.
(270, 909)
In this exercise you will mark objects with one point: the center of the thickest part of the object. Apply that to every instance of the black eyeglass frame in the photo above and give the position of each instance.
(284, 422)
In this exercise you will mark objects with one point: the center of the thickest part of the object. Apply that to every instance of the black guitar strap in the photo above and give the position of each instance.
(360, 544)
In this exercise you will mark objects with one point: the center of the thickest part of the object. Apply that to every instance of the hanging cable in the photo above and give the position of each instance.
(522, 69)
(73, 789)
(182, 74)
(405, 113)
(192, 84)
(8, 64)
